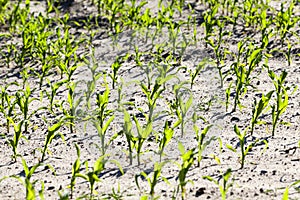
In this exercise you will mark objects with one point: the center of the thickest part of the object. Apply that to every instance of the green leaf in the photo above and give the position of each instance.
(230, 147)
(227, 174)
(181, 148)
(108, 123)
(286, 194)
(145, 197)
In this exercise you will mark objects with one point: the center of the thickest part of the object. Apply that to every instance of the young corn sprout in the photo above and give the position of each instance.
(154, 180)
(195, 73)
(8, 103)
(187, 158)
(14, 143)
(282, 98)
(127, 131)
(258, 109)
(27, 182)
(75, 171)
(166, 138)
(225, 185)
(51, 134)
(154, 94)
(219, 49)
(92, 176)
(143, 134)
(200, 137)
(103, 116)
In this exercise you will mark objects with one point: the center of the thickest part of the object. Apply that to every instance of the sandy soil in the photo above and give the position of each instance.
(266, 174)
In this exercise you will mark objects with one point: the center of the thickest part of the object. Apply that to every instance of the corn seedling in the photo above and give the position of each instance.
(166, 138)
(154, 94)
(29, 185)
(200, 138)
(42, 50)
(8, 103)
(117, 193)
(258, 109)
(250, 10)
(64, 49)
(242, 72)
(134, 12)
(3, 7)
(51, 95)
(102, 129)
(100, 121)
(73, 104)
(175, 104)
(75, 170)
(187, 158)
(225, 185)
(266, 34)
(51, 134)
(174, 30)
(8, 54)
(199, 67)
(210, 21)
(143, 134)
(219, 50)
(18, 16)
(281, 97)
(23, 100)
(242, 143)
(184, 108)
(115, 68)
(285, 21)
(92, 176)
(154, 180)
(146, 21)
(127, 130)
(91, 84)
(17, 137)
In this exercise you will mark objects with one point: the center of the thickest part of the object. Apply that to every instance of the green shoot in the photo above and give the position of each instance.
(75, 170)
(166, 138)
(187, 158)
(155, 178)
(223, 187)
(17, 136)
(29, 185)
(258, 109)
(143, 134)
(200, 138)
(52, 134)
(282, 98)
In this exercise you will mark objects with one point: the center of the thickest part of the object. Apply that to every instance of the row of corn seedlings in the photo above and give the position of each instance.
(42, 47)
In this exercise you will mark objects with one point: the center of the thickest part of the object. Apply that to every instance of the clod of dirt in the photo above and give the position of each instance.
(200, 192)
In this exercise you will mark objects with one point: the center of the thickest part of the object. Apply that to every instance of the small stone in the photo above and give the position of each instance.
(263, 172)
(234, 119)
(261, 190)
(51, 188)
(200, 192)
